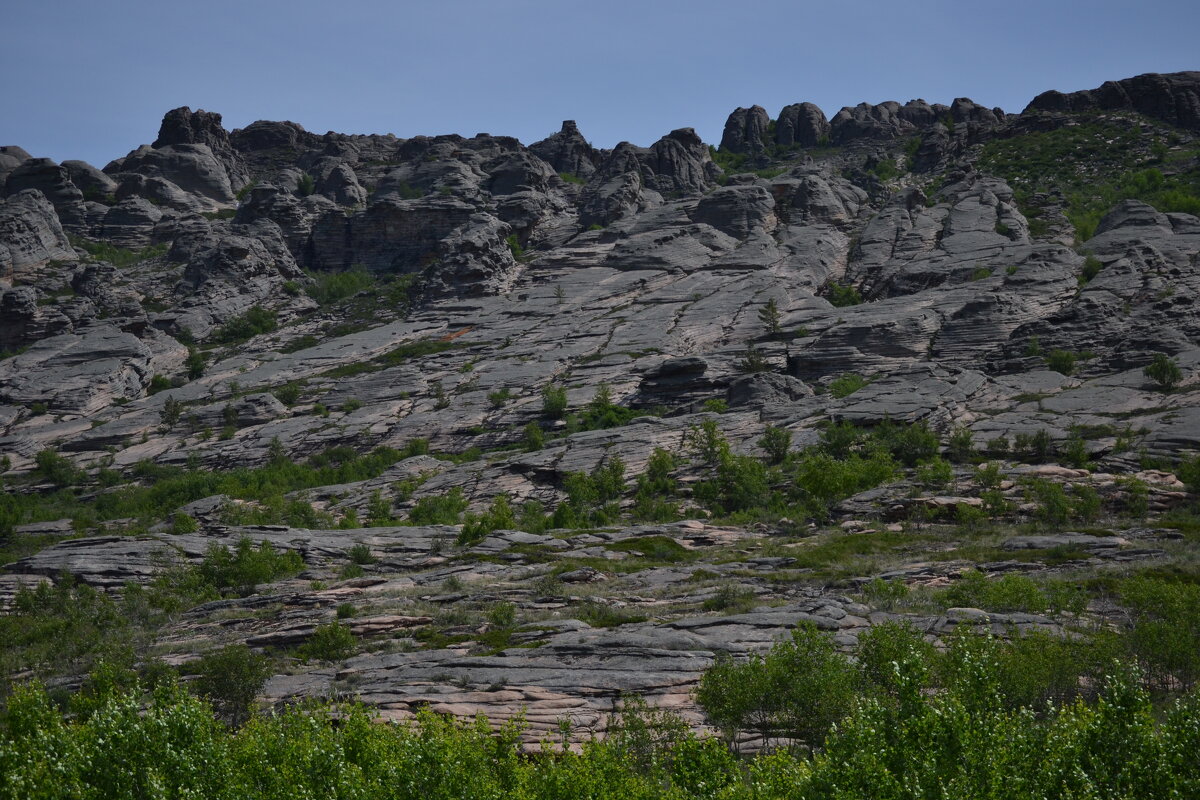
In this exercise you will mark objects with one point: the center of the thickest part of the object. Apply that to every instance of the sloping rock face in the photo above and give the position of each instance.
(1173, 98)
(54, 182)
(499, 319)
(31, 236)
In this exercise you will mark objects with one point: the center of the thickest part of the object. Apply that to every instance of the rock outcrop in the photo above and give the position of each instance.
(1173, 97)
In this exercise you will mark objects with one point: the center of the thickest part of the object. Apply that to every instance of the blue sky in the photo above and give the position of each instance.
(91, 80)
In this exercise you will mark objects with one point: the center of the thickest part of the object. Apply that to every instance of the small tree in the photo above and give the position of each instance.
(776, 441)
(554, 402)
(171, 411)
(1062, 361)
(770, 317)
(1164, 371)
(231, 678)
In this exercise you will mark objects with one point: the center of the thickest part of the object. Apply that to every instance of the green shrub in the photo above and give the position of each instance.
(499, 516)
(936, 473)
(535, 439)
(797, 690)
(1034, 448)
(1091, 268)
(57, 469)
(908, 444)
(770, 317)
(514, 246)
(1166, 630)
(554, 402)
(503, 615)
(893, 656)
(288, 394)
(443, 509)
(1009, 592)
(499, 397)
(182, 523)
(840, 296)
(656, 488)
(755, 361)
(254, 322)
(1164, 371)
(231, 678)
(776, 442)
(960, 446)
(847, 384)
(158, 384)
(1062, 361)
(820, 480)
(332, 641)
(731, 597)
(305, 184)
(360, 553)
(329, 288)
(244, 568)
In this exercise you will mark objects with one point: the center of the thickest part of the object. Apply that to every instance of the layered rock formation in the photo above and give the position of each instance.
(227, 300)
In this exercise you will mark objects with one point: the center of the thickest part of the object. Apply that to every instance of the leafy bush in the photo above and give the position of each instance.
(554, 402)
(535, 439)
(904, 743)
(118, 256)
(231, 678)
(846, 385)
(499, 516)
(443, 509)
(840, 296)
(256, 321)
(1166, 630)
(1164, 371)
(797, 690)
(305, 184)
(1009, 592)
(360, 553)
(244, 567)
(330, 642)
(775, 442)
(57, 469)
(1062, 361)
(328, 288)
(653, 497)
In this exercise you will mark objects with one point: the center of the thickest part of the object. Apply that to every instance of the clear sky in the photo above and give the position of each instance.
(91, 80)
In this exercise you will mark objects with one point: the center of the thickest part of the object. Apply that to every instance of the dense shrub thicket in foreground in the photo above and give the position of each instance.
(963, 742)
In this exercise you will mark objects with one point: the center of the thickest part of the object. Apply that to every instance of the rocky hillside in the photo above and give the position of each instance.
(533, 426)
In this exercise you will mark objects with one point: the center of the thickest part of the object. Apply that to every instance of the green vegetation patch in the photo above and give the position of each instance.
(1095, 164)
(395, 357)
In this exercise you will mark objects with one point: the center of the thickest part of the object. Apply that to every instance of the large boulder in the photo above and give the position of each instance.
(801, 124)
(746, 131)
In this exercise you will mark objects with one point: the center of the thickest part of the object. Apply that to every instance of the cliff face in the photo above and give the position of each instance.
(227, 300)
